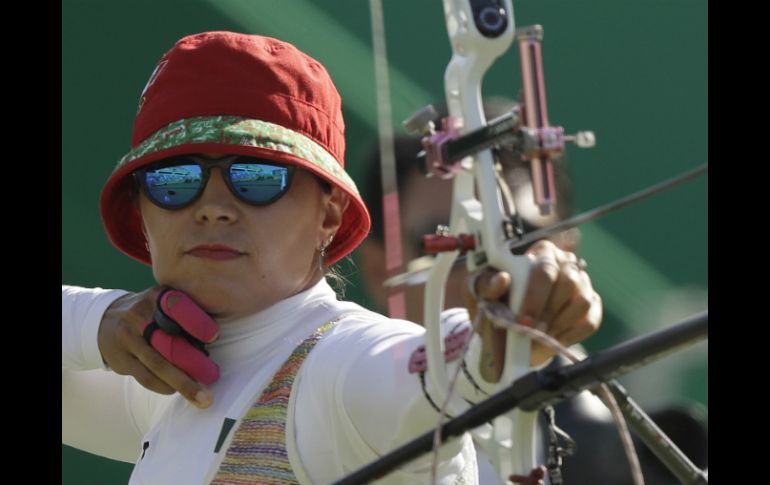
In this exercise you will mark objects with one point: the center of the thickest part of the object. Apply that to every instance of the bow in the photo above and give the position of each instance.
(479, 32)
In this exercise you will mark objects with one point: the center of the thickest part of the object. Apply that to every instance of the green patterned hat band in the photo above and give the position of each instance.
(241, 132)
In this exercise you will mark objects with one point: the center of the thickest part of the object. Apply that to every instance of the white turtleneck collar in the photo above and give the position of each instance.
(287, 322)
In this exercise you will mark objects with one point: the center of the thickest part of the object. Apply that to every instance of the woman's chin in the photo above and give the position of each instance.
(215, 306)
(214, 301)
(226, 300)
(222, 306)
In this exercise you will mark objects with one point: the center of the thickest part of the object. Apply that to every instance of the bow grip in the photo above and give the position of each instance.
(517, 352)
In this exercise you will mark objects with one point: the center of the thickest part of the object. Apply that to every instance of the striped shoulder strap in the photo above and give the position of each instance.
(257, 453)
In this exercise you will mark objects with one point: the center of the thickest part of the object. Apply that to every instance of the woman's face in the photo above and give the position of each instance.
(236, 259)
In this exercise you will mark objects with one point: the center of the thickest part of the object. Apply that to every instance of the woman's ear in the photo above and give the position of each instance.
(334, 208)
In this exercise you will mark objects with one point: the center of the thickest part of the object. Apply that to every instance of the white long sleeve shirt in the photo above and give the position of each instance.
(352, 402)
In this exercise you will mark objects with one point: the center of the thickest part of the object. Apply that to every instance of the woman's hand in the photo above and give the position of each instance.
(559, 300)
(168, 369)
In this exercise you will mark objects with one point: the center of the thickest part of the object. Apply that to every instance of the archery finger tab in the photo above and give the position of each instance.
(149, 329)
(185, 313)
(178, 351)
(161, 320)
(196, 364)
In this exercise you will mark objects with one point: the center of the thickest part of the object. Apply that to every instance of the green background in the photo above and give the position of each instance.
(636, 73)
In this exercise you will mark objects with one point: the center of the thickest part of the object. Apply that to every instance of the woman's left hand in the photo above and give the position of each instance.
(559, 300)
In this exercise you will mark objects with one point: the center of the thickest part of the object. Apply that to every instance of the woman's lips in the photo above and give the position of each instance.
(215, 251)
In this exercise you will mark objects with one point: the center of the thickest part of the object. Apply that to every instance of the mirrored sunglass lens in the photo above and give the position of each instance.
(259, 183)
(174, 186)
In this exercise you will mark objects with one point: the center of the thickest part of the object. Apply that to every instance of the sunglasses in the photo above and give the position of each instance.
(177, 182)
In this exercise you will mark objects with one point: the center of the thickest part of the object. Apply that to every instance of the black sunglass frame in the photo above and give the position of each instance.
(206, 165)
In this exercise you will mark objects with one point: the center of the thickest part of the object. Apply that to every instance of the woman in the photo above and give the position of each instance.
(234, 191)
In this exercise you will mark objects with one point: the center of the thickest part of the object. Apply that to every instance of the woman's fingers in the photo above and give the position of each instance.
(543, 277)
(175, 365)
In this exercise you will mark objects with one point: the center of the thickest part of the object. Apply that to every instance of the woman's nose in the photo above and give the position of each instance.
(216, 203)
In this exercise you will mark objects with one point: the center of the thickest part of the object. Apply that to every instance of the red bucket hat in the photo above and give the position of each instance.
(238, 94)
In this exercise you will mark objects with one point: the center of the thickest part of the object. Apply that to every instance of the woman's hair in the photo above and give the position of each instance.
(335, 276)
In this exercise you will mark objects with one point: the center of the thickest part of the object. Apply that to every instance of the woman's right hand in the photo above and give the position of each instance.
(125, 350)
